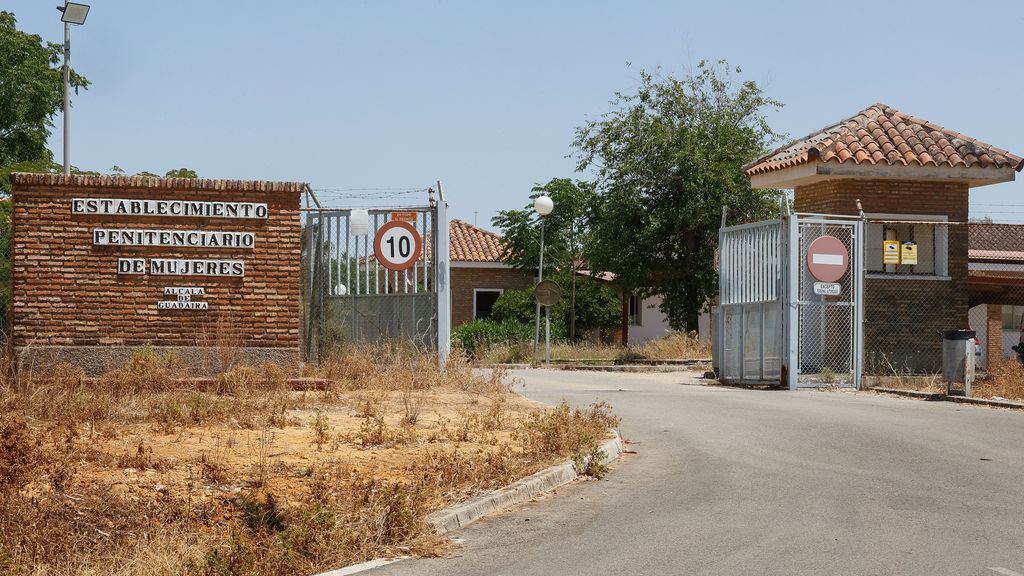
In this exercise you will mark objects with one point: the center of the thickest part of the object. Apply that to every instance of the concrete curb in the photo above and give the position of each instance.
(464, 514)
(630, 368)
(361, 567)
(935, 396)
(461, 515)
(910, 393)
(609, 366)
(986, 402)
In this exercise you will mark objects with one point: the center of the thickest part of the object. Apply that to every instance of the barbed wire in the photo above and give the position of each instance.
(369, 192)
(358, 197)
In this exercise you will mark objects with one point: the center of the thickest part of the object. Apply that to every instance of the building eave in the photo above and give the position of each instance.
(811, 173)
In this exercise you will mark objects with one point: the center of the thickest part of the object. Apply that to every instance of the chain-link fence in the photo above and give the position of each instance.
(925, 275)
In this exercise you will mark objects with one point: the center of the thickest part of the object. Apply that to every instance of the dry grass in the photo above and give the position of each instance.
(1004, 380)
(676, 346)
(139, 473)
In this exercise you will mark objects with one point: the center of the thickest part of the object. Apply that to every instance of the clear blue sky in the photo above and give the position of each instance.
(485, 95)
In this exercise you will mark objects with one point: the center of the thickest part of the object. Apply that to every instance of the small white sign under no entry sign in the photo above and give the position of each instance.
(828, 288)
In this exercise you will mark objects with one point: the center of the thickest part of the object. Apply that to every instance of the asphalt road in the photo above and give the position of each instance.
(729, 481)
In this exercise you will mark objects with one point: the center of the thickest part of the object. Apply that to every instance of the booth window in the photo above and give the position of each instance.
(930, 238)
(1013, 317)
(483, 301)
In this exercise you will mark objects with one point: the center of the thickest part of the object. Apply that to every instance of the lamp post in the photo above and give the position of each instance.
(542, 205)
(71, 13)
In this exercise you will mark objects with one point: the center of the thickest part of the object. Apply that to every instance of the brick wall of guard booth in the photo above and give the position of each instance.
(70, 303)
(465, 279)
(904, 318)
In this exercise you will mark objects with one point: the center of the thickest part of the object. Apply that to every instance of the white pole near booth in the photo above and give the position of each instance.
(443, 281)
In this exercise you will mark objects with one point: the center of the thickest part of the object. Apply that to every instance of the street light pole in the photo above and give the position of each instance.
(542, 205)
(540, 277)
(70, 13)
(67, 98)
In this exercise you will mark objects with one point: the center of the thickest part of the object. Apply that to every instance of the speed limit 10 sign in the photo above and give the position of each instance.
(397, 245)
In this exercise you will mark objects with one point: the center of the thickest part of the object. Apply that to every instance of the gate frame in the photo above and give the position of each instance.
(792, 293)
(440, 267)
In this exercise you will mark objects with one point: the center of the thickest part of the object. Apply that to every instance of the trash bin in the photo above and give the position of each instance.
(958, 361)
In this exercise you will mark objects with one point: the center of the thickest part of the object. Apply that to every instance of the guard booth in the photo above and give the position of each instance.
(890, 188)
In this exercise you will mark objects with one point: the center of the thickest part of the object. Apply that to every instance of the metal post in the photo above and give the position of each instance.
(547, 334)
(858, 319)
(540, 277)
(442, 279)
(792, 301)
(67, 98)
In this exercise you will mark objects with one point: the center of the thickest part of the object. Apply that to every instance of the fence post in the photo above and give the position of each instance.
(792, 300)
(441, 276)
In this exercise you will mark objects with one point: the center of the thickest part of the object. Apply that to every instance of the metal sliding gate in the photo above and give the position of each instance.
(752, 267)
(791, 295)
(349, 297)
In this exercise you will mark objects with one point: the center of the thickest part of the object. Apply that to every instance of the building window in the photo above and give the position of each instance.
(635, 311)
(1013, 317)
(931, 240)
(483, 301)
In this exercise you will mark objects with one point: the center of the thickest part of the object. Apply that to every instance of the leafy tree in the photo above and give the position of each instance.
(596, 305)
(181, 173)
(175, 173)
(668, 157)
(565, 233)
(31, 93)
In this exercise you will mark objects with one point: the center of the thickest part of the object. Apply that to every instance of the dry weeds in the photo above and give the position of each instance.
(676, 346)
(140, 472)
(1004, 380)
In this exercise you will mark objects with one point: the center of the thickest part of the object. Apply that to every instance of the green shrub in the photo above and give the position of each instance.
(479, 335)
(597, 306)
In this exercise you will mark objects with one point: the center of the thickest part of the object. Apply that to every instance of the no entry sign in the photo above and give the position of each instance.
(827, 258)
(397, 245)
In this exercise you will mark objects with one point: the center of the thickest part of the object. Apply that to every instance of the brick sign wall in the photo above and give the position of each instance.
(113, 263)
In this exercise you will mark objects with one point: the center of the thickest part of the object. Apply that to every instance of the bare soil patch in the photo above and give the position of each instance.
(140, 474)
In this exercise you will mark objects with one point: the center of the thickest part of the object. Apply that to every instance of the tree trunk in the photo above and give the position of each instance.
(624, 326)
(692, 309)
(572, 308)
(692, 319)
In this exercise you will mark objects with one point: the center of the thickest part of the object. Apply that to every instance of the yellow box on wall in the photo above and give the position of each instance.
(890, 252)
(908, 253)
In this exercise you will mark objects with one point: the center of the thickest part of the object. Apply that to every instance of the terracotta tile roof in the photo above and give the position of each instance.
(466, 243)
(471, 243)
(995, 242)
(883, 135)
(995, 255)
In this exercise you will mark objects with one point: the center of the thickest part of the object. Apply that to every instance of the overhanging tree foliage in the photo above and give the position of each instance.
(668, 157)
(565, 234)
(31, 92)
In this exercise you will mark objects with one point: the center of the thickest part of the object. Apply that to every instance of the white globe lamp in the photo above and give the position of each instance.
(543, 205)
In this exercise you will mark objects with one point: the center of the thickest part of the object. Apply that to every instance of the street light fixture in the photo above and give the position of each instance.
(542, 205)
(71, 13)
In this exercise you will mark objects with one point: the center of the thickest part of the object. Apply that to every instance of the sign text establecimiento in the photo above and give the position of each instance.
(170, 208)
